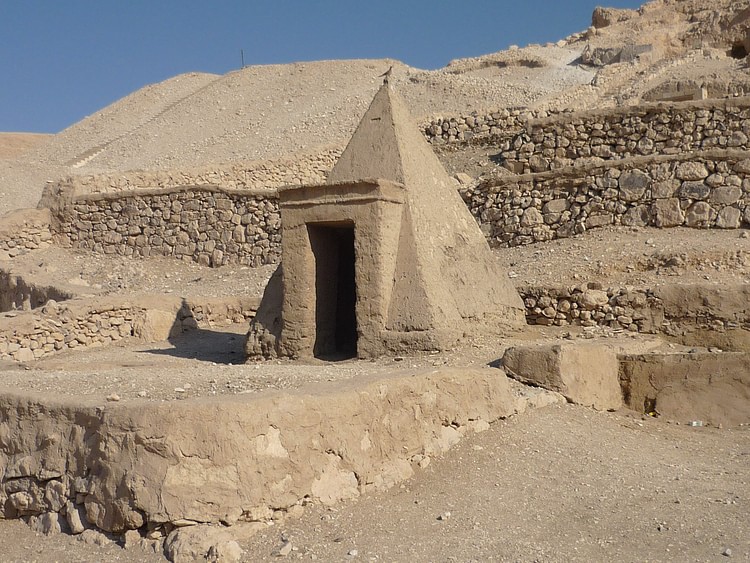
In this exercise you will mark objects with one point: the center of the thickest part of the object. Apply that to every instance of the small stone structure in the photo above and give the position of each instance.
(384, 257)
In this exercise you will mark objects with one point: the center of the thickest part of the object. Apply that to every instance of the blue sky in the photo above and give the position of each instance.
(61, 60)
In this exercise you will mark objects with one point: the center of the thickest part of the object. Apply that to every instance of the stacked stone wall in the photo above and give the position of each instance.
(209, 225)
(703, 190)
(636, 310)
(56, 327)
(24, 230)
(289, 171)
(670, 310)
(499, 124)
(649, 130)
(539, 141)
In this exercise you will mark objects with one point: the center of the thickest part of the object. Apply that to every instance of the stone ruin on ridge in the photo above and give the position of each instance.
(383, 258)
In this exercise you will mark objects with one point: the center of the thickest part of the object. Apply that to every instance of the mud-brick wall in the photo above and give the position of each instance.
(209, 225)
(711, 190)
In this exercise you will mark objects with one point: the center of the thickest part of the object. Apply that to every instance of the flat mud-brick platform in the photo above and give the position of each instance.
(156, 465)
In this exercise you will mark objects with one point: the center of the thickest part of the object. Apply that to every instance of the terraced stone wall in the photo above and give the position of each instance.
(662, 129)
(289, 171)
(539, 141)
(24, 230)
(31, 335)
(710, 189)
(210, 225)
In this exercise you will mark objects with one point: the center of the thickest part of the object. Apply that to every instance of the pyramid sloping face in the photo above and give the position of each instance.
(460, 274)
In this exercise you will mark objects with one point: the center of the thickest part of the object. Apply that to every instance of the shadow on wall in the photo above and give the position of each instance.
(194, 343)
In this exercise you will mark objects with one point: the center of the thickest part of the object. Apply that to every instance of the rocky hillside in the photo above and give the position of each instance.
(265, 112)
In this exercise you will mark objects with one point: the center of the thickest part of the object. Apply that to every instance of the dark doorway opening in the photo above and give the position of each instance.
(738, 51)
(335, 290)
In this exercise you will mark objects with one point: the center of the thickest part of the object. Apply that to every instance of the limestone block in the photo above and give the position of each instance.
(48, 523)
(556, 206)
(538, 163)
(729, 218)
(725, 195)
(75, 517)
(737, 139)
(531, 217)
(599, 220)
(586, 374)
(667, 213)
(633, 184)
(24, 355)
(593, 299)
(715, 180)
(157, 325)
(691, 171)
(699, 215)
(637, 216)
(664, 188)
(208, 543)
(694, 190)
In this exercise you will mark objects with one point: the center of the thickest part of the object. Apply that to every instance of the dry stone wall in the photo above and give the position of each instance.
(591, 305)
(539, 141)
(24, 230)
(671, 309)
(31, 335)
(649, 130)
(500, 124)
(703, 190)
(298, 170)
(209, 225)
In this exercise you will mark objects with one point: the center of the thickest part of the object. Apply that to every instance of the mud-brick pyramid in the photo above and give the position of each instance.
(385, 257)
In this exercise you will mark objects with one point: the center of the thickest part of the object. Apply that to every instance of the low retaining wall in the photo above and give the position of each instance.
(268, 174)
(538, 141)
(210, 225)
(702, 190)
(706, 387)
(712, 387)
(671, 309)
(87, 323)
(138, 465)
(214, 226)
(24, 230)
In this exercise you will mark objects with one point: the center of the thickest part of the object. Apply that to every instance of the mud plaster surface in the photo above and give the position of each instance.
(558, 484)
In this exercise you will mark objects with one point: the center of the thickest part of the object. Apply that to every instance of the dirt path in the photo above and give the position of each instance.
(560, 484)
(563, 483)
